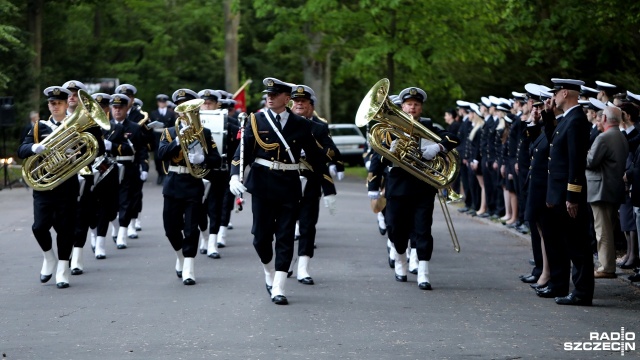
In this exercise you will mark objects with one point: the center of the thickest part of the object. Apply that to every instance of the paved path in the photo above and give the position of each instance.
(132, 306)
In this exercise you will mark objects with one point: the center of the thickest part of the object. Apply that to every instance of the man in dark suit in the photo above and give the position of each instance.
(167, 117)
(606, 162)
(410, 200)
(303, 104)
(566, 198)
(273, 142)
(183, 192)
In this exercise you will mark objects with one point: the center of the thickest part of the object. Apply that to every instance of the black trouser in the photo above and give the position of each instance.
(411, 217)
(464, 179)
(180, 217)
(85, 214)
(271, 217)
(536, 248)
(127, 193)
(215, 200)
(475, 189)
(137, 198)
(227, 205)
(566, 243)
(523, 186)
(309, 214)
(53, 210)
(107, 201)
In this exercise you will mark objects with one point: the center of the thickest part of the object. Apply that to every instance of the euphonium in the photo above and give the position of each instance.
(192, 134)
(395, 123)
(68, 147)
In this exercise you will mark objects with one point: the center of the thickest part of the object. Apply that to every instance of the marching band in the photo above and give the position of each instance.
(88, 162)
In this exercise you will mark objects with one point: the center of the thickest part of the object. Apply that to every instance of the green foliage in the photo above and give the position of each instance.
(451, 48)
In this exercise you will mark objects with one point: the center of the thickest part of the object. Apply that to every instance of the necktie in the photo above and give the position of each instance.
(278, 122)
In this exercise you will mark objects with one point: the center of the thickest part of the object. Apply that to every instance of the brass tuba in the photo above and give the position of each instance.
(192, 134)
(68, 148)
(392, 121)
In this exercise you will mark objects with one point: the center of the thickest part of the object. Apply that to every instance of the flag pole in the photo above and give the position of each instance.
(242, 88)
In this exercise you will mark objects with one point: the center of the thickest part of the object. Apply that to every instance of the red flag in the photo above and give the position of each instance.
(241, 103)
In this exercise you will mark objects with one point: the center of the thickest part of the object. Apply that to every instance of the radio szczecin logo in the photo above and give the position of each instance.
(607, 341)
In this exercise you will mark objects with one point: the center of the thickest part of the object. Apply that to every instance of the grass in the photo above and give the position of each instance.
(356, 171)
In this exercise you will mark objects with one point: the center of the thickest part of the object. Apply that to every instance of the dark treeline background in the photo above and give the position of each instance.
(453, 49)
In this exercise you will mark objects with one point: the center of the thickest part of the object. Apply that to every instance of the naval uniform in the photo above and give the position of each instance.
(168, 118)
(274, 181)
(183, 192)
(310, 203)
(569, 145)
(410, 201)
(52, 208)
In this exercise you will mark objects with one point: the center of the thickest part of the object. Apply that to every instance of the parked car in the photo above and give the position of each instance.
(350, 141)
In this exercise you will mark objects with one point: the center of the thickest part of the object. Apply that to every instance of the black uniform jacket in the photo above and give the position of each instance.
(400, 182)
(320, 131)
(127, 140)
(39, 132)
(168, 119)
(182, 186)
(538, 172)
(261, 141)
(569, 144)
(328, 146)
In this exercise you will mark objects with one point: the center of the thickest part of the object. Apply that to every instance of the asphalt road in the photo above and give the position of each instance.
(132, 305)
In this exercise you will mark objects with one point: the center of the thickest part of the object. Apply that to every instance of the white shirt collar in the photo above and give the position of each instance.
(571, 108)
(629, 129)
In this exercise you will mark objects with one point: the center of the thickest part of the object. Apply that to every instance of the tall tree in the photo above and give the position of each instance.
(231, 26)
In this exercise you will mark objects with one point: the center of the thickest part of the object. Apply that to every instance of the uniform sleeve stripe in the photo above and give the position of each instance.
(574, 188)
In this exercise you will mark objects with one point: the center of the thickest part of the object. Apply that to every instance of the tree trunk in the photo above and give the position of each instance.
(231, 25)
(390, 62)
(317, 74)
(35, 10)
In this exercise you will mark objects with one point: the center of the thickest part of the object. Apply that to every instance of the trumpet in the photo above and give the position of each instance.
(68, 148)
(192, 135)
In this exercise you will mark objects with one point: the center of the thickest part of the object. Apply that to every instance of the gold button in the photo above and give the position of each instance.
(549, 157)
(557, 132)
(532, 158)
(294, 141)
(536, 150)
(551, 145)
(549, 171)
(267, 139)
(271, 159)
(285, 160)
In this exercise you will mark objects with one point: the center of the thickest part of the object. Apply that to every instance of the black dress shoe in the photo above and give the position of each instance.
(536, 286)
(188, 281)
(472, 212)
(532, 262)
(548, 293)
(268, 289)
(101, 257)
(203, 251)
(62, 285)
(633, 265)
(494, 217)
(573, 300)
(634, 277)
(213, 255)
(511, 226)
(463, 209)
(179, 274)
(45, 278)
(414, 271)
(382, 231)
(132, 236)
(529, 279)
(76, 271)
(425, 286)
(524, 229)
(484, 215)
(401, 278)
(120, 247)
(289, 273)
(306, 281)
(221, 245)
(280, 300)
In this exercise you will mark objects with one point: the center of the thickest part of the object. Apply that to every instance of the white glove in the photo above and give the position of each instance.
(183, 130)
(177, 140)
(373, 195)
(333, 170)
(394, 145)
(235, 186)
(107, 145)
(37, 148)
(330, 202)
(340, 175)
(144, 175)
(196, 158)
(431, 151)
(367, 164)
